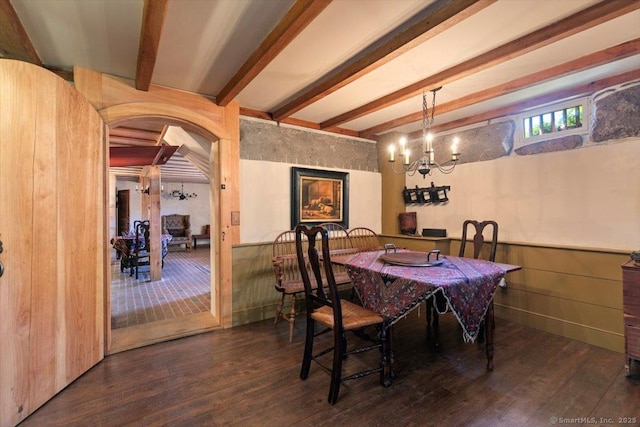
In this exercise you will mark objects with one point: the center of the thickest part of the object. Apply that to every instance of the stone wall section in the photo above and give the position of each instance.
(558, 144)
(476, 145)
(615, 115)
(261, 140)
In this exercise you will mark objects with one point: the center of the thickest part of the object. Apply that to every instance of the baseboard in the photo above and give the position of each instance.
(598, 337)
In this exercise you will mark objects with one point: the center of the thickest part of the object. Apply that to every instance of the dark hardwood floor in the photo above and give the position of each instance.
(248, 376)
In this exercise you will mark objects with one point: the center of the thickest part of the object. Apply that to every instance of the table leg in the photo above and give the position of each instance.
(386, 335)
(488, 328)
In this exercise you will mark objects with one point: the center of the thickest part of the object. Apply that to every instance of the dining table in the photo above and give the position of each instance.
(394, 285)
(125, 246)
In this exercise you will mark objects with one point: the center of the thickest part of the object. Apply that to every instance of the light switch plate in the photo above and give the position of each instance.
(235, 218)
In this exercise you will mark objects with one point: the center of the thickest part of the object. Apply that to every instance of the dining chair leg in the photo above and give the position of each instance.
(386, 373)
(339, 351)
(279, 309)
(308, 349)
(292, 317)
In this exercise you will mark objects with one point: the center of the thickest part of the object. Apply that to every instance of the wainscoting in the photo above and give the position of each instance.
(571, 292)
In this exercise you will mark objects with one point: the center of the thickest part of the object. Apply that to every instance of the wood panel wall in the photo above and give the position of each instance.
(572, 292)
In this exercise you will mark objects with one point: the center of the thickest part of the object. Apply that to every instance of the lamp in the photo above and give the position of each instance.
(146, 189)
(427, 162)
(143, 191)
(182, 195)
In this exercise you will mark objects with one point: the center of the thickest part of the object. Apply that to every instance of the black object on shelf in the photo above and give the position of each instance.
(434, 232)
(428, 195)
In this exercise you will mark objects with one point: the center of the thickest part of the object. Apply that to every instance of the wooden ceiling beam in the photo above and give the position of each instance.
(153, 17)
(134, 133)
(301, 14)
(14, 41)
(581, 21)
(615, 53)
(433, 20)
(581, 90)
(135, 142)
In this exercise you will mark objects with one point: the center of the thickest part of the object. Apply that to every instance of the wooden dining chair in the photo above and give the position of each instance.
(364, 239)
(288, 278)
(478, 246)
(333, 314)
(141, 252)
(339, 243)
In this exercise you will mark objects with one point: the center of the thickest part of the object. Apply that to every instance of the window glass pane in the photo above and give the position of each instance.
(546, 123)
(535, 125)
(527, 127)
(558, 118)
(572, 120)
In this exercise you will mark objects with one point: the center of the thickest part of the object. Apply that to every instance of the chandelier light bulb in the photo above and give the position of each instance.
(392, 153)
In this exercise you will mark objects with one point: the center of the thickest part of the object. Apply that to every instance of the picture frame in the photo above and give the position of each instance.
(319, 196)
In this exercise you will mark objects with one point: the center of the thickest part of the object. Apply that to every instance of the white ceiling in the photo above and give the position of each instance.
(204, 43)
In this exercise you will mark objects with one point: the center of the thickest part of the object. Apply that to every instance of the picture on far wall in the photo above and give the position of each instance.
(319, 196)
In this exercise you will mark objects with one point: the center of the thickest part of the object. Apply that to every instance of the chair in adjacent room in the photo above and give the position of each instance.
(364, 239)
(333, 314)
(179, 227)
(140, 254)
(478, 246)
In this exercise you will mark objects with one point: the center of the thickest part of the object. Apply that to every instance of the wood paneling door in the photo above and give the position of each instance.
(123, 212)
(52, 229)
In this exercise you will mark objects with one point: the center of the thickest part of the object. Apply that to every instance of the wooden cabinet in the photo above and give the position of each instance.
(631, 308)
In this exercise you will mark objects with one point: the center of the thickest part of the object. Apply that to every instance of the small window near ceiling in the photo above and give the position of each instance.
(554, 121)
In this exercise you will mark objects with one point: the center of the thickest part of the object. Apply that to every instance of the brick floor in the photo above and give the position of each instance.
(184, 289)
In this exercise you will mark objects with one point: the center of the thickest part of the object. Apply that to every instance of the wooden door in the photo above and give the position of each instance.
(124, 218)
(52, 228)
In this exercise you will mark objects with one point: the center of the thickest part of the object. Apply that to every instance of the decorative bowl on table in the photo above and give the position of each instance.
(635, 256)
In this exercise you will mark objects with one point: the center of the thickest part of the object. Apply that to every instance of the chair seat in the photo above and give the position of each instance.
(296, 286)
(353, 316)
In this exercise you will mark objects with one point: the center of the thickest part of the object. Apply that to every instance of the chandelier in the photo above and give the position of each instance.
(180, 194)
(427, 163)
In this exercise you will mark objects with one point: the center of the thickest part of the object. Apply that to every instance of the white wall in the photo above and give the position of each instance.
(197, 207)
(587, 197)
(265, 199)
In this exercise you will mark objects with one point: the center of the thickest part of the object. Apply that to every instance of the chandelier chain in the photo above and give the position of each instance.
(427, 120)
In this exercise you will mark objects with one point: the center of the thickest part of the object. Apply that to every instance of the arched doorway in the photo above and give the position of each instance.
(199, 115)
(178, 289)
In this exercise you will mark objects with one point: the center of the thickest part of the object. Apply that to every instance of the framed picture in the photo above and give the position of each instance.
(319, 196)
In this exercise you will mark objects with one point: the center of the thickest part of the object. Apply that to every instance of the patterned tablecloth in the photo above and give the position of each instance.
(467, 284)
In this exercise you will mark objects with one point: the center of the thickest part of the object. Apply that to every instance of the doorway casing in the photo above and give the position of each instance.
(117, 101)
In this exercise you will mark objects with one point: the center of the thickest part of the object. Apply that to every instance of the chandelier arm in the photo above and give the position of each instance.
(409, 169)
(445, 168)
